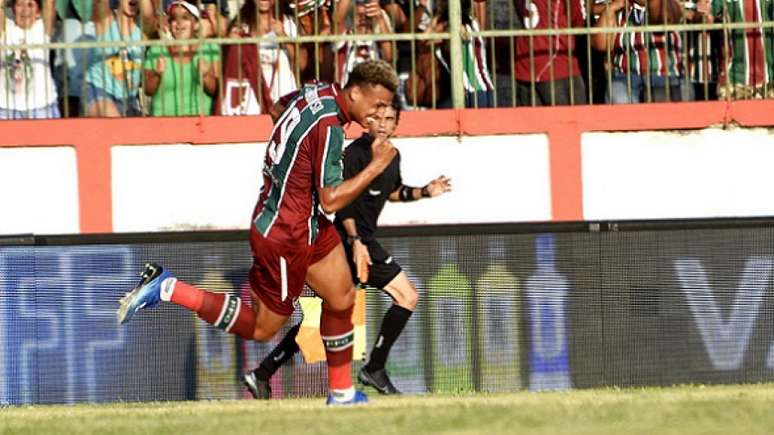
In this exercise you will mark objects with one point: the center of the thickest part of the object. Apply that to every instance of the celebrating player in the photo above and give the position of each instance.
(291, 241)
(369, 262)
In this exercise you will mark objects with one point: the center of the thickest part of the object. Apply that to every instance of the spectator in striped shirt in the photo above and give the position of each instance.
(748, 58)
(430, 84)
(703, 54)
(368, 19)
(644, 66)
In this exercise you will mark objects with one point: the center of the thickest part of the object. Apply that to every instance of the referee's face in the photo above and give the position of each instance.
(384, 123)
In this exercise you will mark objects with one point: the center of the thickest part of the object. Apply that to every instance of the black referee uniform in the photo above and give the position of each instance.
(365, 210)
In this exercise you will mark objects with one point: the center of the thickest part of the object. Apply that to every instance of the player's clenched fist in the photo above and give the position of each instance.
(382, 152)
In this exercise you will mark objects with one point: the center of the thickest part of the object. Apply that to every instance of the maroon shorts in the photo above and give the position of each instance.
(279, 271)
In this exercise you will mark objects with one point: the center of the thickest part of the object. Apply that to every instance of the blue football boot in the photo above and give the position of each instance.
(359, 398)
(146, 294)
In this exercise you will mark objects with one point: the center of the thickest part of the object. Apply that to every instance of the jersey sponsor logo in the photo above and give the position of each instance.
(312, 98)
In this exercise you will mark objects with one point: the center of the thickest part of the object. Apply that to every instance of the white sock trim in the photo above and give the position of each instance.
(345, 395)
(167, 288)
(236, 314)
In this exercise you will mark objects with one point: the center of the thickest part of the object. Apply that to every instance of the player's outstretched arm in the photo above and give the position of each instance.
(333, 199)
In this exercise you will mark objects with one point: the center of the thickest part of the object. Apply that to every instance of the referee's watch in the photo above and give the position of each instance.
(351, 239)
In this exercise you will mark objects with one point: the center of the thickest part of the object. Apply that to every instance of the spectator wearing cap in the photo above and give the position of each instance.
(369, 18)
(113, 76)
(182, 79)
(26, 87)
(256, 76)
(214, 16)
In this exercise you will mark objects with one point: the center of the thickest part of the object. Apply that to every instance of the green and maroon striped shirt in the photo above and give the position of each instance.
(749, 58)
(304, 155)
(657, 54)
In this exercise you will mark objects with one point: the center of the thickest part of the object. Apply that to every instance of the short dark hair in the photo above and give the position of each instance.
(374, 72)
(396, 107)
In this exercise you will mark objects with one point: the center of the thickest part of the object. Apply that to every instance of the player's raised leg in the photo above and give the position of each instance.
(224, 311)
(330, 278)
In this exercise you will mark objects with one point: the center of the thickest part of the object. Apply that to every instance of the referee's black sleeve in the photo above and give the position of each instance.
(354, 162)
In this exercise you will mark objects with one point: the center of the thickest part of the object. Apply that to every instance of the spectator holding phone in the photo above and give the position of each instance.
(369, 19)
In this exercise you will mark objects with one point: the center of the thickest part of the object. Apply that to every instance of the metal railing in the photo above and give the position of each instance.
(445, 50)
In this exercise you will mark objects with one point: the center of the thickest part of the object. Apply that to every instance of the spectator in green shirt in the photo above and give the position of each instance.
(182, 79)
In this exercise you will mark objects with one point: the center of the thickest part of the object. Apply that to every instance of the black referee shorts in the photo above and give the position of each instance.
(384, 268)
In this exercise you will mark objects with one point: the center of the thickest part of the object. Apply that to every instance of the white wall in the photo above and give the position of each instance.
(650, 175)
(638, 175)
(178, 187)
(38, 190)
(496, 179)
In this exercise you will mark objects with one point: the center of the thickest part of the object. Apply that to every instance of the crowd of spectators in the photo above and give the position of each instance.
(200, 76)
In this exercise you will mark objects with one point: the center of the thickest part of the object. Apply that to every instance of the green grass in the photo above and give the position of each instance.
(679, 410)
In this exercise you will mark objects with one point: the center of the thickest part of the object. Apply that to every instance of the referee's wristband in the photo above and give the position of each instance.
(351, 239)
(425, 192)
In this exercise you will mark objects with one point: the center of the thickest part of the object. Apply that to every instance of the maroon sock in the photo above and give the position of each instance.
(227, 312)
(338, 335)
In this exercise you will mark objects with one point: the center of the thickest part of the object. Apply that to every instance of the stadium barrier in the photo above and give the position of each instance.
(502, 308)
(579, 163)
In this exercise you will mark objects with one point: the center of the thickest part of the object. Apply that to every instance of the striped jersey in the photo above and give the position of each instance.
(703, 55)
(303, 155)
(308, 6)
(655, 53)
(475, 72)
(749, 59)
(549, 57)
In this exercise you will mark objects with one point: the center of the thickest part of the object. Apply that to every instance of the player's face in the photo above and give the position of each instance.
(368, 101)
(384, 123)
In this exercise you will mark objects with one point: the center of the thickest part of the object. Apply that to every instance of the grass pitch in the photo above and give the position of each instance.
(679, 410)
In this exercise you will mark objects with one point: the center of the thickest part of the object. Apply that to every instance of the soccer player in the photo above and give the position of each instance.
(369, 262)
(291, 240)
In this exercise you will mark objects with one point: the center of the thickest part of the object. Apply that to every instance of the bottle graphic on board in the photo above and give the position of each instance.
(546, 291)
(449, 304)
(498, 296)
